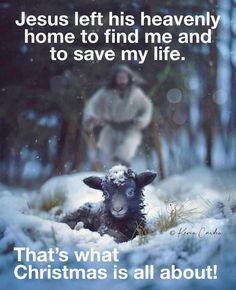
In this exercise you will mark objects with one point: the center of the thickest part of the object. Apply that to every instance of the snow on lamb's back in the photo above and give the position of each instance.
(118, 174)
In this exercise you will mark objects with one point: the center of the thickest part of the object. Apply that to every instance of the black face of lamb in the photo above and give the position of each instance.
(120, 213)
(123, 201)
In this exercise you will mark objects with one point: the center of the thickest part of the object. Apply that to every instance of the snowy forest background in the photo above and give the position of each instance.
(194, 126)
(42, 102)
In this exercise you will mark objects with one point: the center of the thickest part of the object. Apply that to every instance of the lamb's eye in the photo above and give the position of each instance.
(130, 192)
(106, 194)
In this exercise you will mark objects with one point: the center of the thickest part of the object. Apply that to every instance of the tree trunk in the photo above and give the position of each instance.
(232, 121)
(209, 107)
(78, 156)
(157, 144)
(59, 162)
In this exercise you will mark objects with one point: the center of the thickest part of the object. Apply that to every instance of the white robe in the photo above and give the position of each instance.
(106, 104)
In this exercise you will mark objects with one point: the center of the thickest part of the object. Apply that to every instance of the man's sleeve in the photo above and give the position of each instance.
(145, 110)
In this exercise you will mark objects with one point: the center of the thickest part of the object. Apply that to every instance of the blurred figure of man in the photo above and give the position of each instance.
(121, 111)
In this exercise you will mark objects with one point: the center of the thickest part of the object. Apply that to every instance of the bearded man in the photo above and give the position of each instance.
(121, 110)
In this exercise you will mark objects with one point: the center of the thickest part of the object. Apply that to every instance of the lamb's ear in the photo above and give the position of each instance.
(145, 178)
(93, 182)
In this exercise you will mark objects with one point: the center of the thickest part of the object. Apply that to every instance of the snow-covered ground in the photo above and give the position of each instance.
(191, 217)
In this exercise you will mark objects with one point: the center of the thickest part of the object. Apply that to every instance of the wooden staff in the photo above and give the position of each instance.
(91, 141)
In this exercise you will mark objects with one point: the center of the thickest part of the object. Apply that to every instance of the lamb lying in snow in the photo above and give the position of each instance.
(120, 214)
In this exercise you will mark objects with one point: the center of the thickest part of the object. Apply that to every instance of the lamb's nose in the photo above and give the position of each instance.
(118, 209)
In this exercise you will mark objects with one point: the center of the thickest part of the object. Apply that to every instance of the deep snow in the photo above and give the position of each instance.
(204, 201)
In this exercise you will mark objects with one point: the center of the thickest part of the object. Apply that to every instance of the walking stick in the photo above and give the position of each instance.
(91, 141)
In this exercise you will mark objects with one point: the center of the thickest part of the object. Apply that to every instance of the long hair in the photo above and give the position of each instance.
(134, 78)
